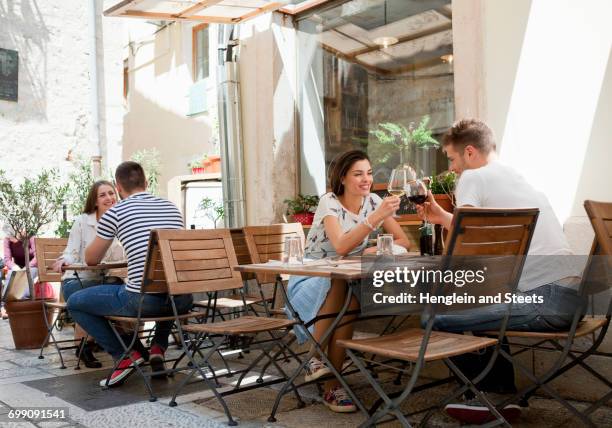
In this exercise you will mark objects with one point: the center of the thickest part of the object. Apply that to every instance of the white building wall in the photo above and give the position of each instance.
(53, 114)
(543, 81)
(160, 79)
(268, 91)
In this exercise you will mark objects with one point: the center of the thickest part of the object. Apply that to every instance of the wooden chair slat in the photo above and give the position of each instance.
(204, 274)
(132, 320)
(497, 221)
(600, 214)
(490, 248)
(406, 345)
(271, 239)
(239, 326)
(608, 224)
(47, 250)
(197, 271)
(474, 234)
(271, 248)
(202, 244)
(204, 286)
(585, 327)
(199, 254)
(189, 265)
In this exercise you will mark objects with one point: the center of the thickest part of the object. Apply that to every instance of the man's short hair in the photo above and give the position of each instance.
(130, 176)
(471, 132)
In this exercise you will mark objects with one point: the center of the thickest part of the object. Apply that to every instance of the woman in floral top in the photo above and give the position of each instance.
(344, 219)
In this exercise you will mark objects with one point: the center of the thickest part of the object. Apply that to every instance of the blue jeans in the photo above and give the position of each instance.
(554, 314)
(89, 306)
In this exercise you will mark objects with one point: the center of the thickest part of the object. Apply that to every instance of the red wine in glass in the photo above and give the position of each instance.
(417, 199)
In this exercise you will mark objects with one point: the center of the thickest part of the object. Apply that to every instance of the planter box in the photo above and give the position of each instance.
(304, 218)
(445, 202)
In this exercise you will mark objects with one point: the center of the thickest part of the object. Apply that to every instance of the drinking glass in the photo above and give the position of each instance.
(384, 244)
(399, 179)
(416, 191)
(293, 253)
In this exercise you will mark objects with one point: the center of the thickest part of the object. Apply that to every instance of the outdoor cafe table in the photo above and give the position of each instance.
(344, 271)
(114, 269)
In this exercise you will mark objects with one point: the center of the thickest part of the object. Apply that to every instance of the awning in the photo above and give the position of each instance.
(212, 11)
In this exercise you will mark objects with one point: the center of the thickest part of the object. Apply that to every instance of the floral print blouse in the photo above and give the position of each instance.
(318, 244)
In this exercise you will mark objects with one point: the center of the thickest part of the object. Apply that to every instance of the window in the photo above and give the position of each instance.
(200, 41)
(361, 64)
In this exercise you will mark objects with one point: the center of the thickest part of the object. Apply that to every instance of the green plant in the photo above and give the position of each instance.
(150, 162)
(302, 204)
(196, 162)
(400, 137)
(80, 181)
(211, 209)
(443, 184)
(29, 206)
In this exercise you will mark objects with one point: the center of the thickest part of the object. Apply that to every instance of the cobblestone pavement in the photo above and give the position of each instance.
(24, 379)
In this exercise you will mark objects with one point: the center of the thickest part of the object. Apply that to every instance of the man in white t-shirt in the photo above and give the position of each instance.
(486, 182)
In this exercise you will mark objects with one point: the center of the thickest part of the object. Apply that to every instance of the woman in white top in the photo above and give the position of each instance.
(344, 219)
(100, 198)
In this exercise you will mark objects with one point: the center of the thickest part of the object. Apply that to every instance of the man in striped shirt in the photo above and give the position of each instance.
(131, 221)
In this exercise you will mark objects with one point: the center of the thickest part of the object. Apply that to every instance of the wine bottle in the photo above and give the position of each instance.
(438, 240)
(425, 240)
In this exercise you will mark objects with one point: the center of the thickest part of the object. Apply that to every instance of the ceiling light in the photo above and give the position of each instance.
(447, 58)
(386, 41)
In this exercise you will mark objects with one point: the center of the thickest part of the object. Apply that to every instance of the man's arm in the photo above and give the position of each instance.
(94, 253)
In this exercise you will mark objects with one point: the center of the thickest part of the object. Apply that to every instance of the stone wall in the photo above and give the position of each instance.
(52, 118)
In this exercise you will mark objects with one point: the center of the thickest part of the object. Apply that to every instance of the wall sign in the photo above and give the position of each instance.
(9, 72)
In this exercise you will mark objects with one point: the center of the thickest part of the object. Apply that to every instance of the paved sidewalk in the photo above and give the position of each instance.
(26, 381)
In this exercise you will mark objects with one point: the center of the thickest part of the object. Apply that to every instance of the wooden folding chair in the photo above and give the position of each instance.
(47, 251)
(597, 277)
(268, 243)
(234, 303)
(474, 232)
(154, 281)
(203, 261)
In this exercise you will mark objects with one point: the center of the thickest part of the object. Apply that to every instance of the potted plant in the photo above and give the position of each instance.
(442, 187)
(214, 163)
(196, 165)
(27, 208)
(212, 210)
(302, 208)
(399, 137)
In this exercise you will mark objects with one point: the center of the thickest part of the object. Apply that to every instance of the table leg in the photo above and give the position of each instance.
(317, 347)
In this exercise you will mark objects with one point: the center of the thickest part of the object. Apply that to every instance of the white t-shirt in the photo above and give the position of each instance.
(318, 244)
(497, 185)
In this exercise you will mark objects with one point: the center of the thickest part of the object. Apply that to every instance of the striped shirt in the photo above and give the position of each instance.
(131, 221)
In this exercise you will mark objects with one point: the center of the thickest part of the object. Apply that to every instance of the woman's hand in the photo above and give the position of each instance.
(369, 250)
(389, 206)
(57, 266)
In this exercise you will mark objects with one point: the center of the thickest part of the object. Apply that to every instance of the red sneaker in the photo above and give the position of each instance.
(156, 359)
(124, 369)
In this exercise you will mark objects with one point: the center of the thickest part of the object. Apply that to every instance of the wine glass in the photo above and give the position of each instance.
(399, 179)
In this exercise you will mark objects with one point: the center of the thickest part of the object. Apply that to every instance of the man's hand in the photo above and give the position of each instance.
(94, 253)
(433, 212)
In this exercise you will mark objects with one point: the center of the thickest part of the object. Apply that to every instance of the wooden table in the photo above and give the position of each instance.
(107, 269)
(342, 271)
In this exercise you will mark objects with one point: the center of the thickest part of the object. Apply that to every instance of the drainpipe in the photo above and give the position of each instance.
(94, 130)
(230, 127)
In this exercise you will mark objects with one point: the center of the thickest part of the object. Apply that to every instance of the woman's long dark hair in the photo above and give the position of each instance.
(340, 166)
(92, 196)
